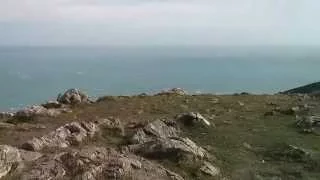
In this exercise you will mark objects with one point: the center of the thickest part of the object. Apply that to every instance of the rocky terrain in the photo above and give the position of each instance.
(166, 136)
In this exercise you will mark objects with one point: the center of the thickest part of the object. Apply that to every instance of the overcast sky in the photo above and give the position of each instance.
(159, 22)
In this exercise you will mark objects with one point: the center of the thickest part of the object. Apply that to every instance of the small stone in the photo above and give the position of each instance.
(247, 146)
(208, 169)
(136, 164)
(193, 118)
(227, 122)
(270, 113)
(214, 100)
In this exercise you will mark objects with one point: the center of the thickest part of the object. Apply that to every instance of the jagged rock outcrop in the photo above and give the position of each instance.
(69, 134)
(91, 163)
(10, 157)
(160, 139)
(192, 119)
(155, 129)
(173, 91)
(72, 97)
(38, 111)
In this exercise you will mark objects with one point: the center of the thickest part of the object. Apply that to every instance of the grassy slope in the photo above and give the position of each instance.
(310, 88)
(235, 126)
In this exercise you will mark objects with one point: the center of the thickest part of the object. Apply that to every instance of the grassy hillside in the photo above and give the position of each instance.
(307, 89)
(247, 142)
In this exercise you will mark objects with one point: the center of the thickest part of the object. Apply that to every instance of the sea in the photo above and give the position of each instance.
(33, 75)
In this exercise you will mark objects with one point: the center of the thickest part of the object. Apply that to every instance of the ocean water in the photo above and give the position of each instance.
(30, 75)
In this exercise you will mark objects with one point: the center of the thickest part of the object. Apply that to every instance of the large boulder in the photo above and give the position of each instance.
(72, 97)
(91, 163)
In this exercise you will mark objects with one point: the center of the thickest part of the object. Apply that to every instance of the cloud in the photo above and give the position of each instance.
(263, 21)
(103, 11)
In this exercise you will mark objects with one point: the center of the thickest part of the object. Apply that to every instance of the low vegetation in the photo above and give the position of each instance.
(245, 140)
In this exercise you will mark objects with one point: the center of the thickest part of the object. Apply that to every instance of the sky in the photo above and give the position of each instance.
(159, 22)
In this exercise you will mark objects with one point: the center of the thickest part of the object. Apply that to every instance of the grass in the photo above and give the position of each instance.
(236, 127)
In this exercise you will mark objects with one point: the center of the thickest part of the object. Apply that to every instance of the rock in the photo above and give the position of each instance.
(72, 97)
(161, 129)
(160, 139)
(309, 123)
(32, 111)
(140, 137)
(289, 111)
(286, 152)
(208, 169)
(227, 122)
(45, 171)
(158, 129)
(193, 118)
(70, 134)
(173, 91)
(52, 105)
(115, 125)
(10, 156)
(6, 115)
(173, 147)
(270, 113)
(39, 111)
(240, 103)
(214, 100)
(173, 176)
(91, 163)
(247, 146)
(29, 155)
(142, 94)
